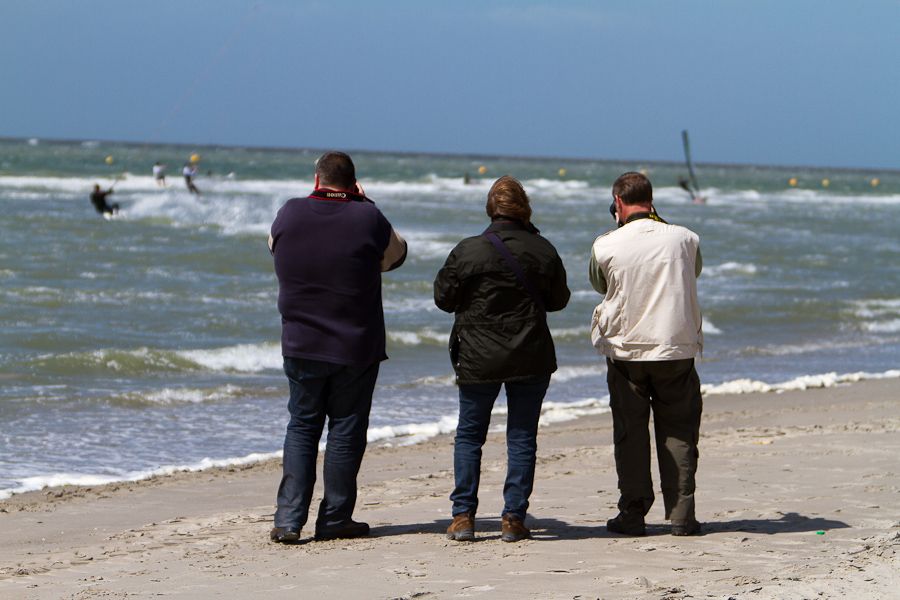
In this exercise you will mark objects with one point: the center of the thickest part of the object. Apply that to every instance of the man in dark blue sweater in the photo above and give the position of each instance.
(330, 249)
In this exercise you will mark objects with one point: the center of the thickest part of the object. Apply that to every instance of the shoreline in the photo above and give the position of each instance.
(417, 433)
(775, 469)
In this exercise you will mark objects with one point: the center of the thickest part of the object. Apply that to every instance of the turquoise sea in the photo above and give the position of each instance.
(150, 342)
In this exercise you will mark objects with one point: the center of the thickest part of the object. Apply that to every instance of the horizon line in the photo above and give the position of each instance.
(527, 157)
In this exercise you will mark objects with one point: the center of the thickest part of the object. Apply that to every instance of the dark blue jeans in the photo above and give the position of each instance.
(343, 394)
(524, 399)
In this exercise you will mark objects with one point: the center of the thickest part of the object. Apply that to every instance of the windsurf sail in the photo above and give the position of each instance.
(691, 185)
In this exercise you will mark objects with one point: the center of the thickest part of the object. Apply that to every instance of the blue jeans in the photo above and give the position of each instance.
(524, 399)
(343, 394)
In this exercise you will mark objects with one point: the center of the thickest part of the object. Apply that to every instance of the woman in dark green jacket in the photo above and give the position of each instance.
(500, 284)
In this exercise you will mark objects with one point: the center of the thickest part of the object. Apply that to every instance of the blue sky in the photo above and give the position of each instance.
(766, 82)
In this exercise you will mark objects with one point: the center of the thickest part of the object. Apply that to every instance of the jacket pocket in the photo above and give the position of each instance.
(596, 330)
(454, 348)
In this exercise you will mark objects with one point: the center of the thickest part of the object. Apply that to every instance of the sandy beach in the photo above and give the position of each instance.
(799, 494)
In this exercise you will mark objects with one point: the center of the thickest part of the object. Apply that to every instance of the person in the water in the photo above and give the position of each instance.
(98, 199)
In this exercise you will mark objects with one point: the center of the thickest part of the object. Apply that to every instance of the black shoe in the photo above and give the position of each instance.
(626, 526)
(347, 529)
(284, 535)
(691, 527)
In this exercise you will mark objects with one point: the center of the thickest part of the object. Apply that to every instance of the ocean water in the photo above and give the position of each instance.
(150, 342)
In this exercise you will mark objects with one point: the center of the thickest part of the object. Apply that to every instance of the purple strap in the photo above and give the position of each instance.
(516, 268)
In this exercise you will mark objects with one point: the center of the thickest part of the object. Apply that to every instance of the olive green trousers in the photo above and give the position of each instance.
(671, 389)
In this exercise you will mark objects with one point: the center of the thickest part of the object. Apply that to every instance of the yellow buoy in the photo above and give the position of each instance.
(792, 182)
(109, 159)
(482, 169)
(643, 171)
(562, 172)
(826, 182)
(195, 158)
(875, 181)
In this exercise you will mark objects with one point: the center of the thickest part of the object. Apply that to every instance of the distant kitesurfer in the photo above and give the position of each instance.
(696, 198)
(190, 171)
(98, 199)
(159, 174)
(466, 179)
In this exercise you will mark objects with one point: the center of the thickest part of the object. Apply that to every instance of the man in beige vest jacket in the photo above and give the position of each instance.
(648, 327)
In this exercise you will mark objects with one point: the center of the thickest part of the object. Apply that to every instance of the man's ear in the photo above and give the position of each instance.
(316, 184)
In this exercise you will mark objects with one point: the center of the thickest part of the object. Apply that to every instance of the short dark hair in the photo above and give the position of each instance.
(633, 188)
(336, 169)
(507, 198)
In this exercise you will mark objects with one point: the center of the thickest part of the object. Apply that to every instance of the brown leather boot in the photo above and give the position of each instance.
(462, 529)
(513, 529)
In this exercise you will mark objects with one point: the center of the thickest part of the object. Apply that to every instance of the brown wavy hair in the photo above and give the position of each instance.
(507, 198)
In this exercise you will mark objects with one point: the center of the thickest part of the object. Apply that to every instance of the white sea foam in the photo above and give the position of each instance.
(436, 380)
(879, 315)
(804, 382)
(29, 484)
(404, 435)
(381, 191)
(892, 304)
(183, 395)
(233, 216)
(569, 373)
(245, 358)
(558, 412)
(730, 268)
(791, 349)
(415, 338)
(710, 329)
(392, 304)
(892, 326)
(571, 332)
(429, 245)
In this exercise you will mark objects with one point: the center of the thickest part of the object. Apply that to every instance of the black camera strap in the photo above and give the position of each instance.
(338, 195)
(516, 268)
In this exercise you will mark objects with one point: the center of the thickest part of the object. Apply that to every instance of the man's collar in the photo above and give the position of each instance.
(644, 215)
(337, 195)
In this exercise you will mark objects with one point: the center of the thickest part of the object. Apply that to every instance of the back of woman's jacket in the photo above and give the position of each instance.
(499, 333)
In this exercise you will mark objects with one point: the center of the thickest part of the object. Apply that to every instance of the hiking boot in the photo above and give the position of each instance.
(691, 527)
(462, 529)
(347, 529)
(626, 525)
(513, 529)
(284, 535)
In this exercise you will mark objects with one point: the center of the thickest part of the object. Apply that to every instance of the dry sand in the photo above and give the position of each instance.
(775, 471)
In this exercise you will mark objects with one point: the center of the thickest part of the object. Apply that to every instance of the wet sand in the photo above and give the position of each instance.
(799, 494)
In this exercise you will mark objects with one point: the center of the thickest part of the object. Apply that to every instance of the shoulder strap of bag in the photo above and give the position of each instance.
(516, 268)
